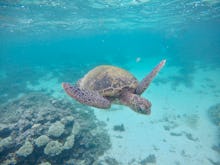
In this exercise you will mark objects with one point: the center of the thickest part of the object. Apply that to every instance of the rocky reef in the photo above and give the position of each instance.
(38, 129)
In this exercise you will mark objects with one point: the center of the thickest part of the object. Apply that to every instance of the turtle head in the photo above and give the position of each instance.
(141, 105)
(136, 103)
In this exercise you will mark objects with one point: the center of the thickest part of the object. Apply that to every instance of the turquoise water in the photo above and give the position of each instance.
(44, 43)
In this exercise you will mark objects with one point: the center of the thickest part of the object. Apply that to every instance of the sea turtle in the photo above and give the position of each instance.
(108, 84)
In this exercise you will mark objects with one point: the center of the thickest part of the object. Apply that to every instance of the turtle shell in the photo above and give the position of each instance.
(108, 80)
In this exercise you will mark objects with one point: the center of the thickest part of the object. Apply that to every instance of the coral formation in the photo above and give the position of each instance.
(192, 120)
(56, 129)
(53, 148)
(4, 130)
(75, 135)
(42, 140)
(69, 142)
(11, 161)
(25, 150)
(120, 128)
(150, 159)
(5, 143)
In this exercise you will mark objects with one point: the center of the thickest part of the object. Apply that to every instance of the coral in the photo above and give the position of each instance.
(69, 142)
(110, 161)
(25, 150)
(9, 162)
(53, 148)
(56, 129)
(75, 129)
(4, 130)
(120, 128)
(81, 138)
(214, 114)
(216, 148)
(67, 120)
(42, 140)
(150, 159)
(5, 143)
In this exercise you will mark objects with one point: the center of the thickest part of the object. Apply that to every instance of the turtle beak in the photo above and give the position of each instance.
(148, 111)
(145, 107)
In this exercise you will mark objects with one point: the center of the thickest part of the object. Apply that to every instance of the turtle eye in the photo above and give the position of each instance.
(144, 109)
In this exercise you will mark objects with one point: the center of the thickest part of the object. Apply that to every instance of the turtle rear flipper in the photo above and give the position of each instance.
(86, 97)
(143, 85)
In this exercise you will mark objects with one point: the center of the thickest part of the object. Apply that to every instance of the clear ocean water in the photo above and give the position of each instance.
(46, 42)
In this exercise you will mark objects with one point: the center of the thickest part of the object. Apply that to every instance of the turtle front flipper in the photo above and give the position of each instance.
(143, 85)
(87, 97)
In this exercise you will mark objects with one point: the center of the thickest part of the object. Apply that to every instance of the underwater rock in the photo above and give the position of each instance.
(25, 150)
(56, 129)
(6, 143)
(120, 128)
(42, 140)
(53, 148)
(214, 114)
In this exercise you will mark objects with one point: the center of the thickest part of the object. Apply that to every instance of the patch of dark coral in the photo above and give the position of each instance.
(149, 159)
(175, 134)
(216, 148)
(110, 161)
(190, 136)
(29, 117)
(119, 128)
(213, 162)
